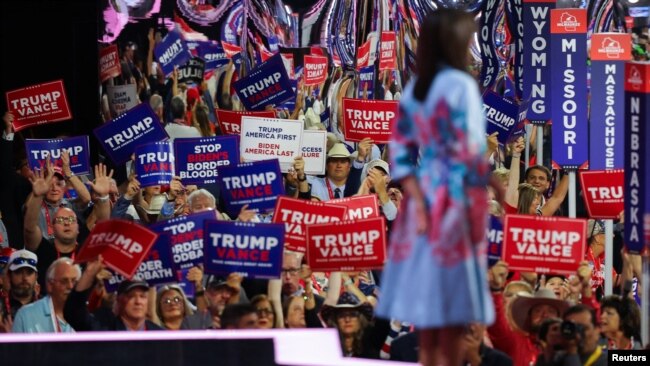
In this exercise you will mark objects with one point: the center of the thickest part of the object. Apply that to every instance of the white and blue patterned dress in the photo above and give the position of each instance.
(438, 279)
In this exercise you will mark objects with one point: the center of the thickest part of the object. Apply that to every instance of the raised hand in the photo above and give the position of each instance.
(102, 180)
(42, 181)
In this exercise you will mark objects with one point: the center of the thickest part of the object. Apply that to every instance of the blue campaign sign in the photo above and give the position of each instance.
(156, 268)
(137, 126)
(213, 55)
(185, 238)
(267, 84)
(367, 82)
(501, 115)
(607, 124)
(637, 164)
(185, 284)
(154, 163)
(198, 158)
(257, 184)
(489, 58)
(77, 147)
(253, 249)
(171, 51)
(537, 59)
(570, 132)
(495, 239)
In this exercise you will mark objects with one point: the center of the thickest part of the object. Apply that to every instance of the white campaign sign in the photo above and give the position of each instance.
(314, 146)
(271, 138)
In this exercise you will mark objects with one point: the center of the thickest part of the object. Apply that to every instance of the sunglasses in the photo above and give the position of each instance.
(264, 312)
(65, 220)
(172, 300)
(21, 260)
(348, 314)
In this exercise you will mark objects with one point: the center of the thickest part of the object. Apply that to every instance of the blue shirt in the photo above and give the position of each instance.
(37, 317)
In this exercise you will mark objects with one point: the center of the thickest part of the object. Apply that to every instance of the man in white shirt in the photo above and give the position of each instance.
(177, 128)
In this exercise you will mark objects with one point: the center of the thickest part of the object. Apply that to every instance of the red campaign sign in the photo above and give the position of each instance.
(38, 104)
(297, 215)
(567, 20)
(316, 51)
(369, 118)
(230, 121)
(544, 244)
(230, 49)
(637, 77)
(347, 245)
(363, 55)
(123, 245)
(359, 207)
(387, 54)
(109, 63)
(611, 46)
(603, 192)
(315, 70)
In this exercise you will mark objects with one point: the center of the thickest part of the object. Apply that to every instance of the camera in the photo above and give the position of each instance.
(571, 330)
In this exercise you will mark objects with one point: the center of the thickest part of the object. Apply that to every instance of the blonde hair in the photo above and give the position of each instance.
(527, 194)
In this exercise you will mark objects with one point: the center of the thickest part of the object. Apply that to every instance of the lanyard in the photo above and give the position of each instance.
(55, 320)
(58, 253)
(329, 189)
(50, 228)
(594, 357)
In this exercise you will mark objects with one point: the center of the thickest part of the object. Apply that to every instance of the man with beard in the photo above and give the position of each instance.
(46, 314)
(218, 294)
(21, 273)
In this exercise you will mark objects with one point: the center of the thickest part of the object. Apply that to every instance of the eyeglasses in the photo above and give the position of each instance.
(65, 220)
(290, 271)
(65, 281)
(21, 260)
(170, 300)
(348, 314)
(264, 312)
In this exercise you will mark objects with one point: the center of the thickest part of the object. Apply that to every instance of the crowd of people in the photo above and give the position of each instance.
(501, 317)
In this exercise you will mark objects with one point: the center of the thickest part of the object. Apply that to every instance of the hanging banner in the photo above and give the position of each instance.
(256, 184)
(171, 51)
(537, 59)
(267, 84)
(230, 121)
(489, 58)
(570, 130)
(297, 214)
(192, 71)
(369, 118)
(315, 71)
(314, 150)
(387, 55)
(120, 136)
(251, 249)
(121, 98)
(183, 235)
(603, 193)
(123, 245)
(38, 104)
(109, 63)
(495, 240)
(637, 164)
(359, 207)
(154, 163)
(197, 158)
(38, 150)
(347, 246)
(156, 269)
(544, 244)
(514, 9)
(367, 82)
(502, 115)
(213, 55)
(609, 51)
(271, 138)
